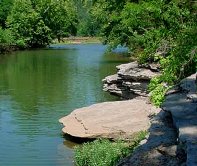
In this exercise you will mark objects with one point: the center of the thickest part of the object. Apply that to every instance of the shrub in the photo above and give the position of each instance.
(6, 37)
(103, 152)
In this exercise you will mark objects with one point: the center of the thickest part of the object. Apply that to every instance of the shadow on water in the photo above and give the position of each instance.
(38, 87)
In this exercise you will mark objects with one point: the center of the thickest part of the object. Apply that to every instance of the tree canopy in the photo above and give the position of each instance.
(162, 31)
(5, 7)
(35, 23)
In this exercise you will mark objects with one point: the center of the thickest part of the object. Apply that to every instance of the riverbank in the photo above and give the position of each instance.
(78, 40)
(6, 48)
(120, 120)
(173, 132)
(163, 145)
(109, 119)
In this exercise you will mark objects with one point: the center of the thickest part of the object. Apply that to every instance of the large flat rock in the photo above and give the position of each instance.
(120, 119)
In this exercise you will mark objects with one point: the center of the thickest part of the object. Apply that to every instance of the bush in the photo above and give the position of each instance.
(6, 37)
(103, 152)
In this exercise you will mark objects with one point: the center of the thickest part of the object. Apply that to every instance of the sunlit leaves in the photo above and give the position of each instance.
(27, 25)
(35, 23)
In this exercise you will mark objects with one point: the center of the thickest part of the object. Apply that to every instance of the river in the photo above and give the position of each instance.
(37, 87)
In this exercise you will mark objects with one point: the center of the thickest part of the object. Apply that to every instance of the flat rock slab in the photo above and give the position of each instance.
(135, 72)
(120, 119)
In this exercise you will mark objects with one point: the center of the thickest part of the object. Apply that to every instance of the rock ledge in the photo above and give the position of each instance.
(131, 80)
(114, 120)
(173, 132)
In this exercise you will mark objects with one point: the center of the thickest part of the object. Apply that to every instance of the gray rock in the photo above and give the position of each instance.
(173, 132)
(191, 154)
(131, 80)
(120, 119)
(189, 84)
(112, 79)
(127, 67)
(183, 108)
(160, 147)
(137, 74)
(155, 67)
(127, 90)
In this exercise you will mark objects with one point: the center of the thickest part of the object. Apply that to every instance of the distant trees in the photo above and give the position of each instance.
(88, 24)
(34, 23)
(59, 15)
(27, 25)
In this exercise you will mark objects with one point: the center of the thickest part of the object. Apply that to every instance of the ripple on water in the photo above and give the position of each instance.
(37, 88)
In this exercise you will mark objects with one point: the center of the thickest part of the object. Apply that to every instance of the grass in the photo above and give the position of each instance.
(103, 152)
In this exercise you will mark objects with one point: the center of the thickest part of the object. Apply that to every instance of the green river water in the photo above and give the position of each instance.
(37, 87)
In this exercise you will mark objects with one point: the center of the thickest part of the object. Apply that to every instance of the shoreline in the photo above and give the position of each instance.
(78, 40)
(167, 137)
(7, 48)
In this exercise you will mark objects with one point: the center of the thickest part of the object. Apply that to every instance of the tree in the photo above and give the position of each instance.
(27, 25)
(6, 37)
(35, 23)
(164, 31)
(107, 13)
(88, 24)
(5, 8)
(59, 15)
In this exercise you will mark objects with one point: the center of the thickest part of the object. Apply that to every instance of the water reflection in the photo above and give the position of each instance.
(37, 88)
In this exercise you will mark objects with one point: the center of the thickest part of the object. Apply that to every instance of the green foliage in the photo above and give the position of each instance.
(104, 152)
(88, 24)
(158, 90)
(59, 15)
(27, 26)
(6, 37)
(35, 23)
(158, 94)
(7, 41)
(154, 30)
(5, 8)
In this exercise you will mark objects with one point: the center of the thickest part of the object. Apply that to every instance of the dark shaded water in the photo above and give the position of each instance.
(39, 87)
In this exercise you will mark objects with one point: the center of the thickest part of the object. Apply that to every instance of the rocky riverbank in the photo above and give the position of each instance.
(173, 132)
(131, 80)
(172, 139)
(120, 119)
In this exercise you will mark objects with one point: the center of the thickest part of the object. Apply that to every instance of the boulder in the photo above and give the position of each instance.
(114, 120)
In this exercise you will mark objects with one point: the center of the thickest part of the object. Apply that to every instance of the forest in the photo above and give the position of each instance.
(154, 31)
